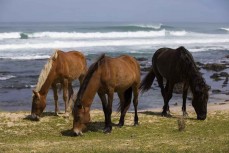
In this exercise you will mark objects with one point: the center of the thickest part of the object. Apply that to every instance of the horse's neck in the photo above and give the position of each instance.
(91, 89)
(194, 82)
(47, 84)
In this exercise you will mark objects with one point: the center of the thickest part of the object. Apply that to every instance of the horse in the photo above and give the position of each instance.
(178, 66)
(106, 76)
(62, 67)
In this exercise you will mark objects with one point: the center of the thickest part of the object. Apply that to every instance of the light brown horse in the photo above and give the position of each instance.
(106, 76)
(63, 68)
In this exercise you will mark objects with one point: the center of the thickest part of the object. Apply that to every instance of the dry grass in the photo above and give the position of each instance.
(154, 134)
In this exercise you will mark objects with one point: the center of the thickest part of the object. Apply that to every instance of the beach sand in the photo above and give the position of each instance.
(219, 106)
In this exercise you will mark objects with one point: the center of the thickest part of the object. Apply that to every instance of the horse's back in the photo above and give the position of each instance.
(71, 64)
(170, 63)
(121, 71)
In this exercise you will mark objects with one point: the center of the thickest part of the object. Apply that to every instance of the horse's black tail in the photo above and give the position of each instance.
(127, 97)
(147, 81)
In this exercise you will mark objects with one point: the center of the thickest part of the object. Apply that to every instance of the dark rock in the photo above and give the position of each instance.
(225, 81)
(142, 59)
(214, 76)
(142, 64)
(215, 91)
(227, 56)
(224, 74)
(145, 69)
(214, 67)
(199, 64)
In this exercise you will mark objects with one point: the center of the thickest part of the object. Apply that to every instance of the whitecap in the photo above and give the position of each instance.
(6, 77)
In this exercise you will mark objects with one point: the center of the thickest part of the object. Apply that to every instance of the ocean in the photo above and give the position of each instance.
(25, 48)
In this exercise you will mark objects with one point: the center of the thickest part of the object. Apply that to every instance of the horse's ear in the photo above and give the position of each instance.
(54, 56)
(36, 94)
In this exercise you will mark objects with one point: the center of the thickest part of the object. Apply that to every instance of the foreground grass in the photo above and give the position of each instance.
(154, 134)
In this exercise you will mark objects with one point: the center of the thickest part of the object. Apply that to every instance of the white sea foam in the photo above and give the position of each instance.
(120, 42)
(26, 57)
(93, 35)
(10, 35)
(6, 77)
(153, 26)
(178, 33)
(226, 29)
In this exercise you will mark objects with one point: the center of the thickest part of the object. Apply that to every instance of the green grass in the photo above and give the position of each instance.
(154, 134)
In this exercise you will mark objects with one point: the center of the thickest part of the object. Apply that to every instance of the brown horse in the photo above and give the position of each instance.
(177, 65)
(63, 68)
(106, 76)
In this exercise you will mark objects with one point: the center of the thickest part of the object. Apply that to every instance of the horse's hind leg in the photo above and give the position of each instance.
(55, 95)
(168, 96)
(185, 92)
(160, 83)
(135, 101)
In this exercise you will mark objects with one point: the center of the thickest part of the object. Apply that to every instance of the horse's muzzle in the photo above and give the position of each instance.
(34, 117)
(201, 117)
(77, 133)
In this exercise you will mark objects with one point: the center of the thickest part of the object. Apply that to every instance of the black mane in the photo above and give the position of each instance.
(88, 76)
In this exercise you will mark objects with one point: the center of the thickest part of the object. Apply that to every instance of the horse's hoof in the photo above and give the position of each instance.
(136, 124)
(185, 114)
(165, 114)
(107, 130)
(120, 125)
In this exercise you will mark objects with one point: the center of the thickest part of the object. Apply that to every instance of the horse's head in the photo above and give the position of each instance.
(81, 117)
(200, 99)
(38, 105)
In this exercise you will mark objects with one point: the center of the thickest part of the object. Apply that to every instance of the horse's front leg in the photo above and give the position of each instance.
(55, 95)
(65, 94)
(185, 92)
(70, 96)
(108, 127)
(103, 98)
(135, 101)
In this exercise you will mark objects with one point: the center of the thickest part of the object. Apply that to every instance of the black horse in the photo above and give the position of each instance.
(177, 65)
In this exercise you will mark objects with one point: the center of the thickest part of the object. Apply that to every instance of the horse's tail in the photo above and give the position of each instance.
(147, 81)
(127, 98)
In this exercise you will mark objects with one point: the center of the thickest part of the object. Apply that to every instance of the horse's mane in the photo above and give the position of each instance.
(45, 71)
(189, 67)
(191, 71)
(88, 76)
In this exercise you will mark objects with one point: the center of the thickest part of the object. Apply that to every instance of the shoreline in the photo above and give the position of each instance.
(174, 110)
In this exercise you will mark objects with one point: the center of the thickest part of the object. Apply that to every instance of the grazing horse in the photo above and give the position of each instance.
(177, 65)
(63, 68)
(106, 76)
